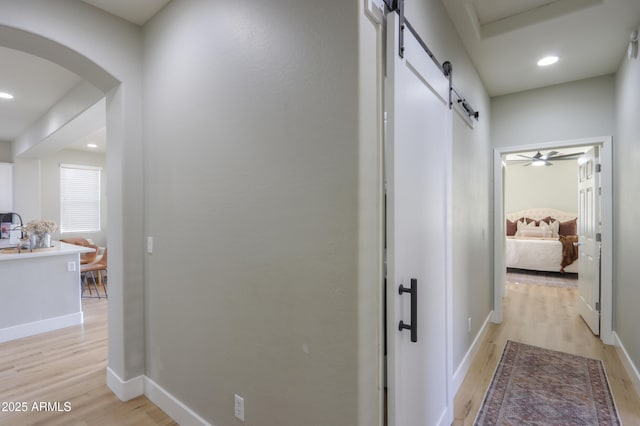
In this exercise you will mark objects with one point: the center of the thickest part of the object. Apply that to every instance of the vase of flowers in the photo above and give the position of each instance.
(40, 233)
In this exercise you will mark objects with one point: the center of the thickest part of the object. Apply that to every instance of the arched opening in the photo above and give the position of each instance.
(123, 177)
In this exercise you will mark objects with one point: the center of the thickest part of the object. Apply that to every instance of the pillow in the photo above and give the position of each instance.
(528, 220)
(569, 227)
(536, 232)
(522, 223)
(512, 227)
(547, 220)
(551, 229)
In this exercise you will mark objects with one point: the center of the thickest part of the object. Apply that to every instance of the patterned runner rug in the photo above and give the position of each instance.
(536, 386)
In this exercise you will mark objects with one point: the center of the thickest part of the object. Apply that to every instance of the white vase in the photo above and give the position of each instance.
(40, 240)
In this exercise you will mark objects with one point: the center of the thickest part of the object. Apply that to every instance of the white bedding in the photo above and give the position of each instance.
(539, 254)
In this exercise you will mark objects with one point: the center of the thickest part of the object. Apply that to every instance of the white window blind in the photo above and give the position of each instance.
(79, 198)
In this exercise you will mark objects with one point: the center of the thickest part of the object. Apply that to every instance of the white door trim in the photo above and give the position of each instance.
(606, 159)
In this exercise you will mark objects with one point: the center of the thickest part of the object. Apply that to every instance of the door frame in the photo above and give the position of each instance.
(606, 181)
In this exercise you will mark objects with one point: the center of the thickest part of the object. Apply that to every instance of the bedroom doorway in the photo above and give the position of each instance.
(605, 212)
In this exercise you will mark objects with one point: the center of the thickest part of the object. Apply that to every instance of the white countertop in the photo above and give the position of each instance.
(59, 249)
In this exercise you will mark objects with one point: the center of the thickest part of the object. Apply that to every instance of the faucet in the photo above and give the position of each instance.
(21, 246)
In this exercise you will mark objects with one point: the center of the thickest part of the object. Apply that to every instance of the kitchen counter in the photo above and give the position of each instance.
(40, 290)
(8, 252)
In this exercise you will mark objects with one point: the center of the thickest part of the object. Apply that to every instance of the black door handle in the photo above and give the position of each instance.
(413, 327)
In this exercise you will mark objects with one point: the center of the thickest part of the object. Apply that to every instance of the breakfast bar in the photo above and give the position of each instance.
(39, 290)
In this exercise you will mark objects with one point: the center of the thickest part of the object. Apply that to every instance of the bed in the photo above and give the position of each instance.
(542, 239)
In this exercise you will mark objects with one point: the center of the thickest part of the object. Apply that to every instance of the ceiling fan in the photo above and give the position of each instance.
(545, 159)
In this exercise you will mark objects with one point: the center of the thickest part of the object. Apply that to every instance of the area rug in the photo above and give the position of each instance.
(536, 386)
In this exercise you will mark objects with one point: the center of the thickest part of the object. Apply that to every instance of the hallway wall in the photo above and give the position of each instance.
(579, 109)
(626, 181)
(252, 162)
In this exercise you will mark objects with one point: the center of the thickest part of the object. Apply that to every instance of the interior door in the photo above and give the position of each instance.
(589, 239)
(418, 157)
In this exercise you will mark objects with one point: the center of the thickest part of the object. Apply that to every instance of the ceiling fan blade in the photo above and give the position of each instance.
(568, 156)
(524, 156)
(549, 155)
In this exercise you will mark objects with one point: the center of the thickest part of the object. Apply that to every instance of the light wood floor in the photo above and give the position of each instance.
(546, 317)
(67, 365)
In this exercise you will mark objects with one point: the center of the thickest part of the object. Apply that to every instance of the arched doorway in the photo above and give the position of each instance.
(107, 55)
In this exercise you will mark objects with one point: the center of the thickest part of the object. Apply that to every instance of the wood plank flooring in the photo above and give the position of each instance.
(546, 317)
(67, 366)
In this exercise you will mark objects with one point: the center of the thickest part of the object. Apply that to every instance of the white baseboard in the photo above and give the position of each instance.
(627, 362)
(464, 366)
(125, 389)
(37, 327)
(178, 411)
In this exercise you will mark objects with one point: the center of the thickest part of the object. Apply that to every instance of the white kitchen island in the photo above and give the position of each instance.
(39, 290)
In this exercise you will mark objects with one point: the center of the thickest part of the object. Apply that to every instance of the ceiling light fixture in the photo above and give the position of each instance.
(548, 60)
(538, 163)
(92, 145)
(5, 95)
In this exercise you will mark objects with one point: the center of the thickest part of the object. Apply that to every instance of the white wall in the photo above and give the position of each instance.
(472, 193)
(626, 159)
(50, 189)
(532, 187)
(580, 109)
(6, 155)
(251, 141)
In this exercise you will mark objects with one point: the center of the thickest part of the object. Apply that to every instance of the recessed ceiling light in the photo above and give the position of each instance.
(548, 60)
(92, 145)
(5, 95)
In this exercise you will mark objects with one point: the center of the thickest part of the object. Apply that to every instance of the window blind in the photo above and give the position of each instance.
(79, 198)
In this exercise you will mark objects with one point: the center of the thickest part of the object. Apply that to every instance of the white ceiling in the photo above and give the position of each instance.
(505, 39)
(135, 11)
(38, 84)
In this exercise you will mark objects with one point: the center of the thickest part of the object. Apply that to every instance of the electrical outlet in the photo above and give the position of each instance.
(238, 407)
(469, 325)
(149, 245)
(71, 266)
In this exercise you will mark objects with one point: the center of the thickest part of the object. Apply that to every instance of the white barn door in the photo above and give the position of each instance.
(589, 240)
(418, 158)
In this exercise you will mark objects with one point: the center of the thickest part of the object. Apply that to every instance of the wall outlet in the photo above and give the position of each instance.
(149, 245)
(469, 325)
(71, 266)
(238, 407)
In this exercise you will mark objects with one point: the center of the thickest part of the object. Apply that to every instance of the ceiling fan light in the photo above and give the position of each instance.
(538, 163)
(547, 60)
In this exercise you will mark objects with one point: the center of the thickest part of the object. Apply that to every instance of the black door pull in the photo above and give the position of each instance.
(413, 327)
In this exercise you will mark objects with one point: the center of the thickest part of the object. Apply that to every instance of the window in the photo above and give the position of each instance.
(79, 198)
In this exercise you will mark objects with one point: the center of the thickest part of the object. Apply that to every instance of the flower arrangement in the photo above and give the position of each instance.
(41, 227)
